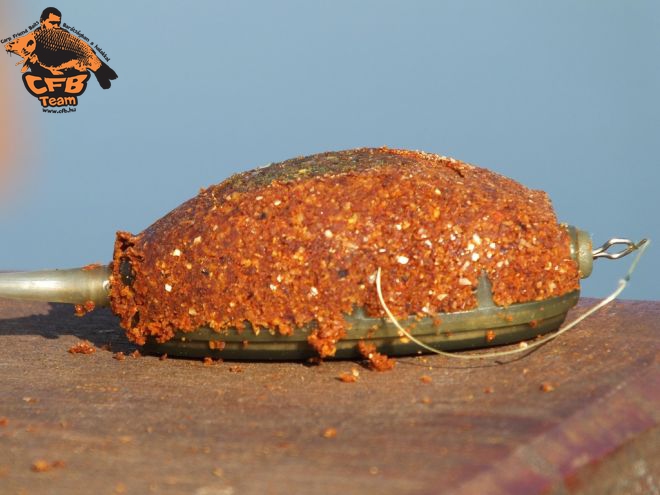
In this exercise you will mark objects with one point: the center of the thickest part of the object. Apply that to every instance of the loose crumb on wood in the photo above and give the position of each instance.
(377, 361)
(41, 465)
(330, 433)
(546, 387)
(82, 347)
(349, 377)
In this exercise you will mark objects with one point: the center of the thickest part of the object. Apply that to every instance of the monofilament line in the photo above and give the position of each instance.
(622, 284)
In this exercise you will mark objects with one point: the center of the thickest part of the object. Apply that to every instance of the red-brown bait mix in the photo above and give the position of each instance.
(300, 241)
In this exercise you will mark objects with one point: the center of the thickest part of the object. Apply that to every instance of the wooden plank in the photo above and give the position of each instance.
(144, 425)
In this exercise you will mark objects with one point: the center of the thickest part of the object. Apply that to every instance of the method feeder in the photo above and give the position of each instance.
(278, 262)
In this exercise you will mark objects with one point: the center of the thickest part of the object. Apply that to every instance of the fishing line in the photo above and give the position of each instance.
(642, 246)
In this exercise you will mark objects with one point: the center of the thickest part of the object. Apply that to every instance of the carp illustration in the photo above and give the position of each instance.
(57, 51)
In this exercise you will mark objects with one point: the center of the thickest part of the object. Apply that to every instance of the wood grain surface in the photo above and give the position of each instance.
(579, 415)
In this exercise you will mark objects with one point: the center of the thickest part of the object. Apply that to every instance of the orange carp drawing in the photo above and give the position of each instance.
(57, 50)
(56, 63)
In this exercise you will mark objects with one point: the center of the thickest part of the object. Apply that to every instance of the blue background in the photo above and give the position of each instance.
(561, 96)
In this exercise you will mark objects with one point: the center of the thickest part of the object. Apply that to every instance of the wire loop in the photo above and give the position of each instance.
(601, 252)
